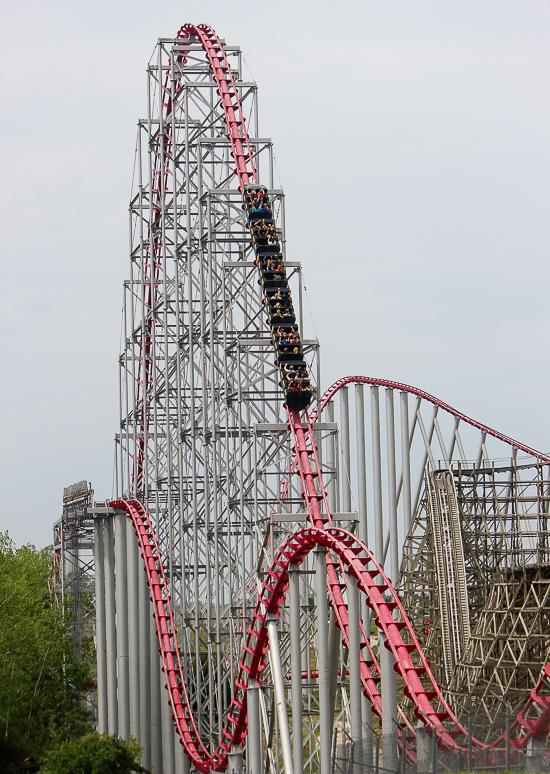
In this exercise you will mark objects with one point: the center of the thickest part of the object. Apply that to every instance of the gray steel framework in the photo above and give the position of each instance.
(73, 575)
(74, 570)
(204, 444)
(203, 439)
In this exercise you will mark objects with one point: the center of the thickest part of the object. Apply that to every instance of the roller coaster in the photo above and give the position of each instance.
(282, 639)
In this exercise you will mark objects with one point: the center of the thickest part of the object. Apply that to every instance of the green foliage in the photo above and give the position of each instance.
(95, 754)
(41, 681)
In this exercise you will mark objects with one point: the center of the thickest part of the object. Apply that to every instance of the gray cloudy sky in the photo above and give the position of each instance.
(412, 141)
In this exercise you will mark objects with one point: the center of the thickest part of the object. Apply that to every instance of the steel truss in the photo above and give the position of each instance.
(73, 576)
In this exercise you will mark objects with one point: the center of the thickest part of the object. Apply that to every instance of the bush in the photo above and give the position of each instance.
(95, 754)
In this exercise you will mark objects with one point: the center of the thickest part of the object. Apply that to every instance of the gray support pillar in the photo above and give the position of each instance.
(254, 736)
(345, 444)
(168, 759)
(363, 530)
(144, 667)
(331, 462)
(423, 749)
(388, 690)
(235, 760)
(377, 475)
(354, 661)
(366, 709)
(406, 463)
(296, 669)
(134, 577)
(121, 569)
(101, 646)
(182, 761)
(279, 691)
(368, 740)
(110, 626)
(388, 675)
(392, 487)
(325, 720)
(156, 708)
(334, 638)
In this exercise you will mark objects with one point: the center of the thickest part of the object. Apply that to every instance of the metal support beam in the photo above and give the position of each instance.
(279, 689)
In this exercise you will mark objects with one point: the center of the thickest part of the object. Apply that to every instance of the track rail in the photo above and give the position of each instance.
(344, 381)
(346, 555)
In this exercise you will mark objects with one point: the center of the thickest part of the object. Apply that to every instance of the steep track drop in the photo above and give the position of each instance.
(346, 555)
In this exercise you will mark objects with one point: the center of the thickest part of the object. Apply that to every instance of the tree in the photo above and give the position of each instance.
(41, 681)
(95, 754)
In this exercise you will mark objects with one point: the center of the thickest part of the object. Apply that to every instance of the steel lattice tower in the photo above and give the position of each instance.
(203, 440)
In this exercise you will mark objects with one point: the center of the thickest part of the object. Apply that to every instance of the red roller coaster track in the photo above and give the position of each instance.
(346, 555)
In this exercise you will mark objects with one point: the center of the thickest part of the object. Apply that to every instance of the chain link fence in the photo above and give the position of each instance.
(424, 755)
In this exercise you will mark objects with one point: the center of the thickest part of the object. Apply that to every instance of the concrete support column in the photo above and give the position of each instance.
(145, 614)
(254, 736)
(354, 661)
(110, 625)
(134, 576)
(156, 708)
(168, 758)
(331, 462)
(366, 709)
(101, 645)
(296, 669)
(388, 690)
(406, 464)
(235, 760)
(334, 640)
(325, 724)
(121, 569)
(182, 761)
(423, 749)
(346, 456)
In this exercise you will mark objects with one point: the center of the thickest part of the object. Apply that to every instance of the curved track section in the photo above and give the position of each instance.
(234, 118)
(344, 381)
(355, 559)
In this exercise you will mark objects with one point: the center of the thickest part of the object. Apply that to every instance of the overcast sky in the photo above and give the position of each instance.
(412, 141)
